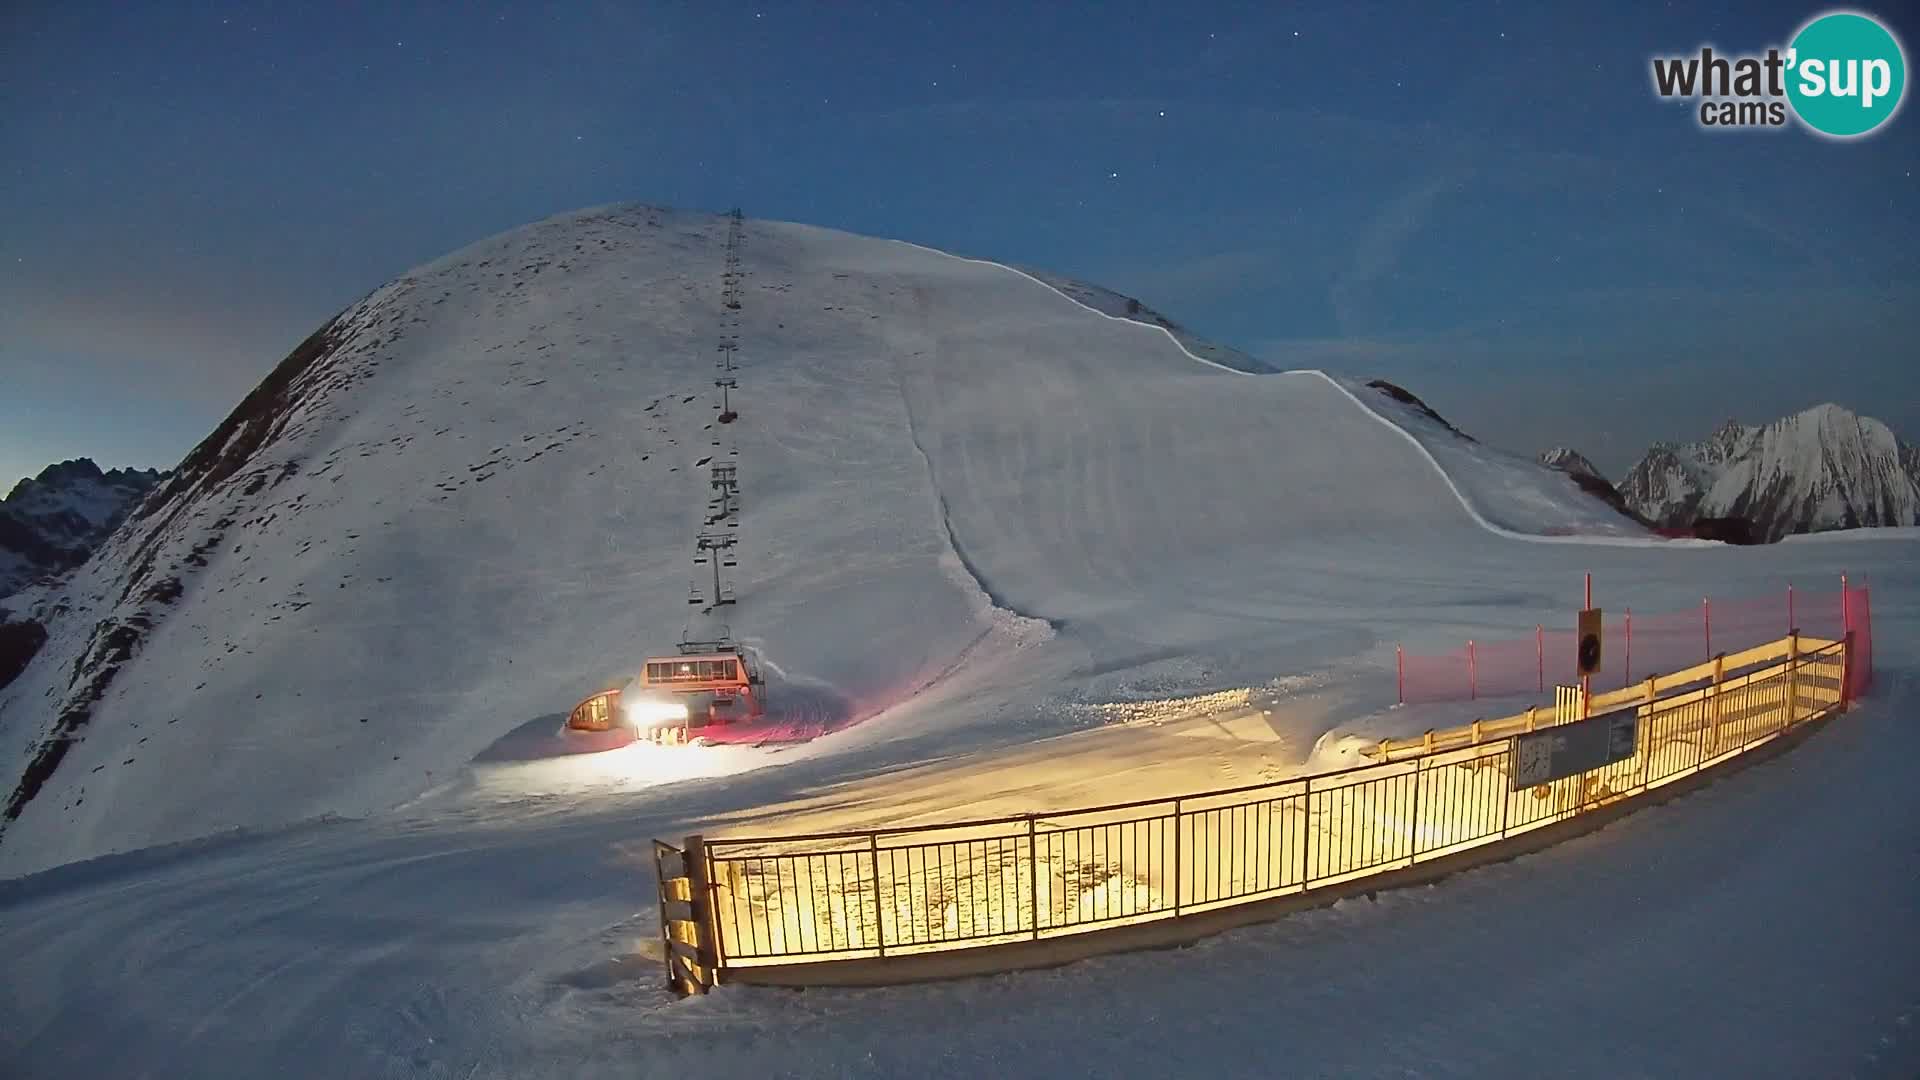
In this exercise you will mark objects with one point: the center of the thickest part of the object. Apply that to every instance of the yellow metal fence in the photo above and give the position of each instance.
(902, 892)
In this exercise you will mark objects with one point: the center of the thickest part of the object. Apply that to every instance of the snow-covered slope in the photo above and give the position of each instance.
(1824, 468)
(1506, 491)
(1121, 306)
(522, 939)
(473, 496)
(49, 523)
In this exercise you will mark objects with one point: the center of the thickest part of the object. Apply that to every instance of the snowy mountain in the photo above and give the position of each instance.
(51, 522)
(1824, 468)
(473, 496)
(1570, 461)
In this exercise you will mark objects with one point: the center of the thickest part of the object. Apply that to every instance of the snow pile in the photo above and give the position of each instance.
(1160, 711)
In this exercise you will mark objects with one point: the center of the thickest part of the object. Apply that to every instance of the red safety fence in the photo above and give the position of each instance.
(1858, 613)
(1635, 646)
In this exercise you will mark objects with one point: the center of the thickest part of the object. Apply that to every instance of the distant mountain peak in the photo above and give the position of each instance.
(50, 523)
(1824, 467)
(1570, 461)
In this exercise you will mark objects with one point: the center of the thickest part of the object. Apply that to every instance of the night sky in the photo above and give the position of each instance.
(1485, 203)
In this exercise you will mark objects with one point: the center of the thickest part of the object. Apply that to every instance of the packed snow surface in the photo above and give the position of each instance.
(1696, 938)
(975, 512)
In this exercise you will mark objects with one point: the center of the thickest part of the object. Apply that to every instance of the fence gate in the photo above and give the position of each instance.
(682, 917)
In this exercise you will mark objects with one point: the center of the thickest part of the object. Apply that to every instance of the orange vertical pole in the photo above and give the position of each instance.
(1400, 671)
(1473, 673)
(1540, 653)
(1628, 680)
(1846, 635)
(1706, 620)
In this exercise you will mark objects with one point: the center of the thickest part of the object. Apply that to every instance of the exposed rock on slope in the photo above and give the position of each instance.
(1570, 461)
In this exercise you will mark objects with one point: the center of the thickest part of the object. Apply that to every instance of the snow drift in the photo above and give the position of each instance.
(472, 496)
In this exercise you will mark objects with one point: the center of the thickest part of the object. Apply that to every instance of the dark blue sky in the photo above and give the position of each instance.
(1483, 201)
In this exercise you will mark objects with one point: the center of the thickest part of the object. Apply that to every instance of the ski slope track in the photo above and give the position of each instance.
(1502, 481)
(301, 804)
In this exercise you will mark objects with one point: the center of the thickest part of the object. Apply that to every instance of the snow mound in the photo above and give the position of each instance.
(472, 497)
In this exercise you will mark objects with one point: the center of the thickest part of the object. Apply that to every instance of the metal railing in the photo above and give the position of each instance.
(898, 892)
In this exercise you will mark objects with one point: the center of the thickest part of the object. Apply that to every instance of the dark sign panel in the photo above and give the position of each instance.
(1590, 638)
(1541, 757)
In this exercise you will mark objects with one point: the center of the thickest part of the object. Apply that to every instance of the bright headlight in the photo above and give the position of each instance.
(644, 713)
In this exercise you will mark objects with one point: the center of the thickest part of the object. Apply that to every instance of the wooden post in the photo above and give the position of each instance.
(1846, 667)
(1033, 877)
(701, 900)
(1530, 709)
(1476, 731)
(1793, 681)
(1179, 819)
(879, 922)
(1713, 710)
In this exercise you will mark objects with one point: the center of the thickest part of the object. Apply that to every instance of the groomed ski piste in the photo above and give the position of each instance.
(322, 820)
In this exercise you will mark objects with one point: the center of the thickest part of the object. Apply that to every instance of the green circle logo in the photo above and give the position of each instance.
(1846, 74)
